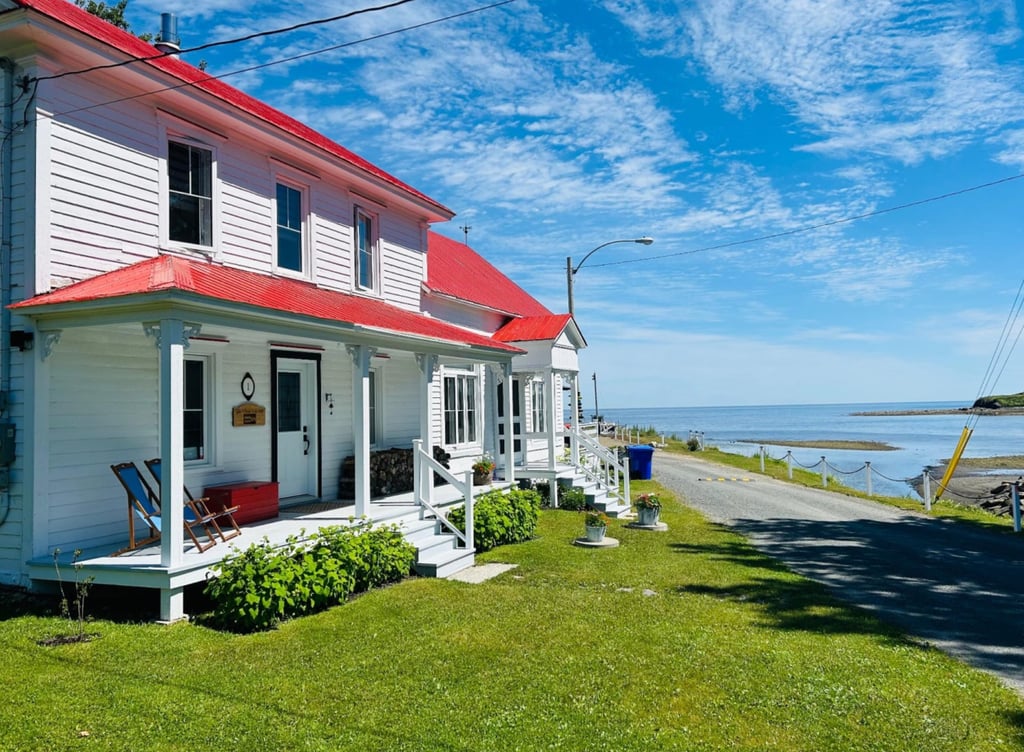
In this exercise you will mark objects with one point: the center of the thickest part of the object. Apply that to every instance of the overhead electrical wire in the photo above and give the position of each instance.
(1000, 354)
(258, 66)
(818, 226)
(235, 40)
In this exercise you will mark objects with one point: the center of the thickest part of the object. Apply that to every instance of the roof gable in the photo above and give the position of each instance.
(68, 14)
(221, 283)
(456, 270)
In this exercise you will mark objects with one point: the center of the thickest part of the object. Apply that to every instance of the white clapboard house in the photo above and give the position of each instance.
(191, 275)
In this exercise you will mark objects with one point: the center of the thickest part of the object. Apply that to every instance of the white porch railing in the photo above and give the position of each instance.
(603, 466)
(424, 467)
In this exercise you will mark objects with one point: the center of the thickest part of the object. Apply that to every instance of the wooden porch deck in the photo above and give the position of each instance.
(142, 567)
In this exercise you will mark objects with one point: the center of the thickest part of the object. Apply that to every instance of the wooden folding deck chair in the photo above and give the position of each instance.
(225, 515)
(145, 504)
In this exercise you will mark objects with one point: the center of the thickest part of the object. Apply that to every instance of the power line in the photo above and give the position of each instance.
(820, 225)
(268, 64)
(208, 45)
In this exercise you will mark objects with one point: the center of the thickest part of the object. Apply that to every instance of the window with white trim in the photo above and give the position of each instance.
(290, 222)
(190, 176)
(367, 263)
(197, 408)
(461, 412)
(537, 407)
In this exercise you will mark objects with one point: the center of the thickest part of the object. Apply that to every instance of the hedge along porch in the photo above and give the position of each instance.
(109, 385)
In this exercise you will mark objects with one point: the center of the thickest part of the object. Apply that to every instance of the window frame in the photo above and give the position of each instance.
(304, 229)
(197, 138)
(538, 408)
(359, 214)
(208, 409)
(468, 411)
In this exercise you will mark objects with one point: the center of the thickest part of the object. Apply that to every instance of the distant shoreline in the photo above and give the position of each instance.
(871, 446)
(945, 411)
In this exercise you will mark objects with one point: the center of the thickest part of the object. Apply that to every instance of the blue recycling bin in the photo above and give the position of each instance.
(641, 458)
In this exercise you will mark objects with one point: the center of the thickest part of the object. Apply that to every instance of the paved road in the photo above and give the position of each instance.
(959, 588)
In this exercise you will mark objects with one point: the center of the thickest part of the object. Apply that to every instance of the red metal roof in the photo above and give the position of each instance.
(533, 328)
(175, 274)
(456, 270)
(70, 15)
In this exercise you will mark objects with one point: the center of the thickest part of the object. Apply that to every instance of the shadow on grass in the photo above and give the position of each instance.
(956, 585)
(123, 605)
(785, 602)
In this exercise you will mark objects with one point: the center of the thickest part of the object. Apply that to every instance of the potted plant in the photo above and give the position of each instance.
(483, 471)
(596, 523)
(648, 509)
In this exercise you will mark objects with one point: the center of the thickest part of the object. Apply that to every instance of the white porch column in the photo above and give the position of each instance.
(549, 414)
(574, 419)
(428, 366)
(361, 355)
(510, 439)
(37, 426)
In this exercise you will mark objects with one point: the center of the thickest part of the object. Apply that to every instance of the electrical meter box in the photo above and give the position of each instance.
(6, 443)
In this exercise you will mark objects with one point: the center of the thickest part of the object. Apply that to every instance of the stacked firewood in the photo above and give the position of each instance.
(390, 472)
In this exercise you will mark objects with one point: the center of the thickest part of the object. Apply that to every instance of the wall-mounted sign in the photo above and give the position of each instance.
(248, 414)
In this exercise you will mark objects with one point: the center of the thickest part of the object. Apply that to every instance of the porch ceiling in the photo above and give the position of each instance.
(178, 286)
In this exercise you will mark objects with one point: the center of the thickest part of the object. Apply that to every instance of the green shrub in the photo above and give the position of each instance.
(500, 518)
(571, 498)
(692, 444)
(264, 585)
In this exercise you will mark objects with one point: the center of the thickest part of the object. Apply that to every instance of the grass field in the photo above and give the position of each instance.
(684, 640)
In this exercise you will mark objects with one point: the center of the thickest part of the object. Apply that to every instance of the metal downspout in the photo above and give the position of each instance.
(6, 214)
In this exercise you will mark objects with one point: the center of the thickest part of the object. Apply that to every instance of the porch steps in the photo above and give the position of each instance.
(437, 553)
(599, 498)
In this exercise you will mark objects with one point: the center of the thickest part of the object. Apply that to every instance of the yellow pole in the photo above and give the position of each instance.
(965, 436)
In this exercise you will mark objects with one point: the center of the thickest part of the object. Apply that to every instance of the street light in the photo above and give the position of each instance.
(570, 270)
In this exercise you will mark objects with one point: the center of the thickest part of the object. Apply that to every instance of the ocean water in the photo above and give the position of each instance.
(921, 440)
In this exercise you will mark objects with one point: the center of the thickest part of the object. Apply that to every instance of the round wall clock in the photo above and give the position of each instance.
(248, 386)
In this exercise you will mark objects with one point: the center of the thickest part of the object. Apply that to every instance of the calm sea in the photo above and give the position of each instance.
(921, 440)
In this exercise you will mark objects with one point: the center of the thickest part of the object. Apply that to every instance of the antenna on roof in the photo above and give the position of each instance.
(168, 40)
(465, 231)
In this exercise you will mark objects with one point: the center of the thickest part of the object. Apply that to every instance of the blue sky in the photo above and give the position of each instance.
(553, 127)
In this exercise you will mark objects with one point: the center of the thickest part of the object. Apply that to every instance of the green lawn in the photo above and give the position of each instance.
(687, 640)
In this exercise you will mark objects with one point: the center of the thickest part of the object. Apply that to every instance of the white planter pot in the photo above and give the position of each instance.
(595, 534)
(647, 517)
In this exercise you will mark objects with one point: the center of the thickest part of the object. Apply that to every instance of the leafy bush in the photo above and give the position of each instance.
(571, 498)
(500, 518)
(264, 584)
(693, 444)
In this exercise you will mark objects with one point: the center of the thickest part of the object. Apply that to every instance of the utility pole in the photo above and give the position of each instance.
(597, 412)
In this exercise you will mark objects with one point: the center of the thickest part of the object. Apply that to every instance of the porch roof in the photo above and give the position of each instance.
(185, 278)
(69, 15)
(456, 270)
(538, 328)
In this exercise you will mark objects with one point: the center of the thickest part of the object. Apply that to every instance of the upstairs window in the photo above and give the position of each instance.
(366, 251)
(289, 228)
(190, 184)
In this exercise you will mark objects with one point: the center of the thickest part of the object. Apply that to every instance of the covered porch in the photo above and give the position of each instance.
(291, 380)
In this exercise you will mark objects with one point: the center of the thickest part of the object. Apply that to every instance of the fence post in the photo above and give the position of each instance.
(867, 465)
(1015, 499)
(761, 452)
(926, 480)
(789, 463)
(824, 472)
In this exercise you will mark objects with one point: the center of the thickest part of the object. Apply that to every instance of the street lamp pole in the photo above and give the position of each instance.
(597, 411)
(570, 270)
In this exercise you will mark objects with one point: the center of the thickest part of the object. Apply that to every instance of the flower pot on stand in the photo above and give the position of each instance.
(482, 477)
(595, 533)
(647, 516)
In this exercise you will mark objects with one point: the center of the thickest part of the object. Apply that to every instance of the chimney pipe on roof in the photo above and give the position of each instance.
(168, 40)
